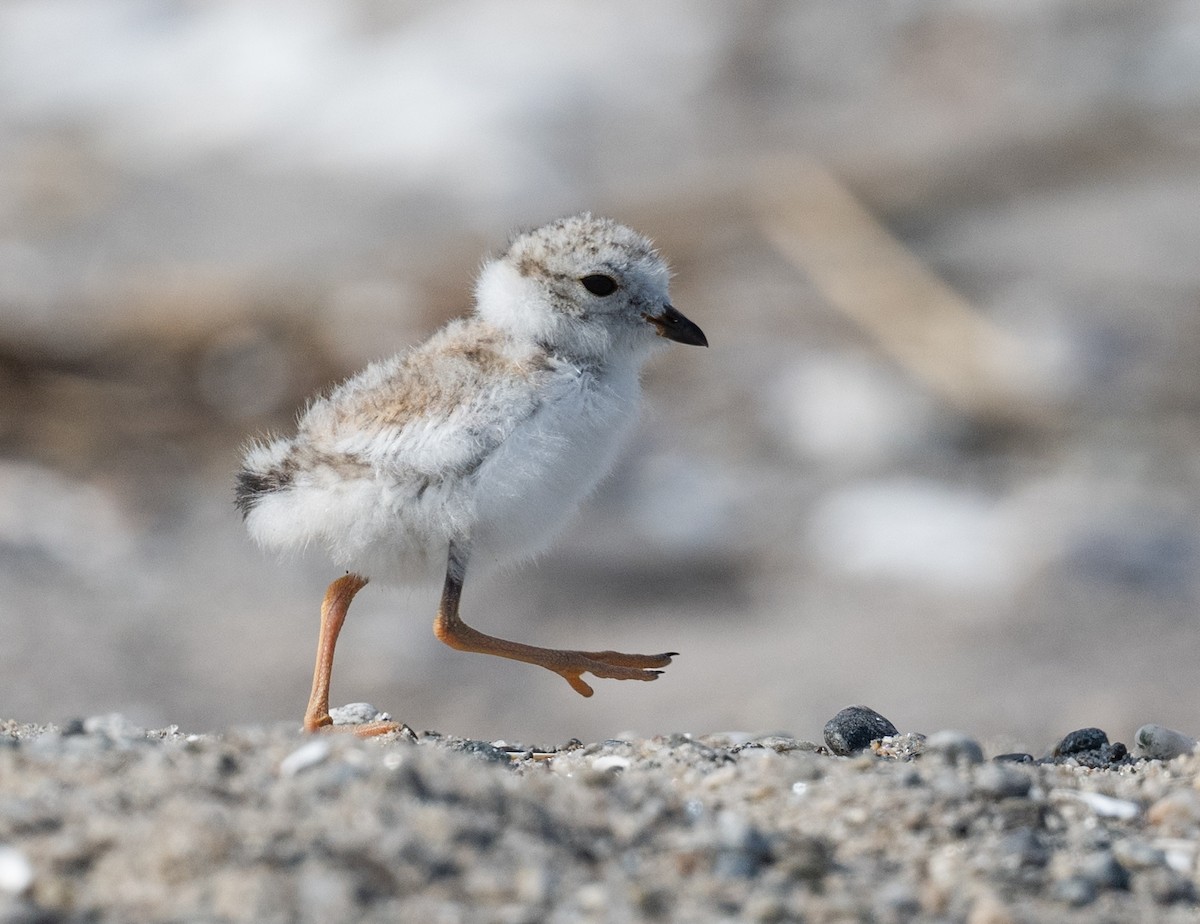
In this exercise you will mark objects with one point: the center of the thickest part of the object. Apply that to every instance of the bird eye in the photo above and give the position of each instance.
(599, 284)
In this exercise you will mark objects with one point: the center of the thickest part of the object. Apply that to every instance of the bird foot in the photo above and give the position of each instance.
(611, 665)
(324, 724)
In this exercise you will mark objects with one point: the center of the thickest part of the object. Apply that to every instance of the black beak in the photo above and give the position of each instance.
(674, 326)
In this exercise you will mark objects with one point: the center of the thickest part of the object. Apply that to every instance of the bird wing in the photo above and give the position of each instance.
(436, 412)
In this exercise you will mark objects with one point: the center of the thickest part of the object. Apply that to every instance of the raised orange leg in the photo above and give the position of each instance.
(570, 665)
(333, 615)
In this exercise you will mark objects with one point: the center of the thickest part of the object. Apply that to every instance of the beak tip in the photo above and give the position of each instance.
(672, 325)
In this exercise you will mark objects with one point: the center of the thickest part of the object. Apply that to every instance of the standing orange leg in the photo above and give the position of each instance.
(333, 615)
(568, 664)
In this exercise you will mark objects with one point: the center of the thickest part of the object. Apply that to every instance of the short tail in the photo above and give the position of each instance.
(265, 469)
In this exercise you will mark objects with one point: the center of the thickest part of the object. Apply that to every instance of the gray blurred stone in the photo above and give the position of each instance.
(1001, 781)
(1136, 854)
(1156, 742)
(1103, 869)
(1076, 891)
(954, 747)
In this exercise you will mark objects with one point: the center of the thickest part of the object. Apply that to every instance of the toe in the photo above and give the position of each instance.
(578, 684)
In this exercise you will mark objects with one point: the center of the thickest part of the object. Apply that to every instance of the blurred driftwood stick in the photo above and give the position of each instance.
(934, 333)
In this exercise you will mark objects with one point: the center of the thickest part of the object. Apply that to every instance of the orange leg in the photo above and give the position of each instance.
(569, 665)
(333, 614)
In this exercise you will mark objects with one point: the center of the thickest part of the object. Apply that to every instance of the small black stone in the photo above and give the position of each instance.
(854, 728)
(72, 727)
(1080, 741)
(1016, 757)
(483, 750)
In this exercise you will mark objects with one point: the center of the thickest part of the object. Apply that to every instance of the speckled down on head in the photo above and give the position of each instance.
(478, 444)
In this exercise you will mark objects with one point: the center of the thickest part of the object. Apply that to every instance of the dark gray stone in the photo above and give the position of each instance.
(854, 728)
(1080, 741)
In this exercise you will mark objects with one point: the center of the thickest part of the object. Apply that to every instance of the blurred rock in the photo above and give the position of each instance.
(954, 747)
(854, 728)
(1155, 742)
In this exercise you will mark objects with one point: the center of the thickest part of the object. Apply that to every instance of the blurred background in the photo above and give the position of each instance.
(942, 457)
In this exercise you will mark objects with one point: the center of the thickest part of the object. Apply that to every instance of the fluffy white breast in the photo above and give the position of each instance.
(529, 488)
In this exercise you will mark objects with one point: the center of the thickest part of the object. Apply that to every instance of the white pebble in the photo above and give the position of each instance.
(16, 872)
(1102, 805)
(113, 726)
(1179, 854)
(610, 762)
(306, 756)
(357, 714)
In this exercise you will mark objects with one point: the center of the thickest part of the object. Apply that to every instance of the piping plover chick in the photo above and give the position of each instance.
(476, 446)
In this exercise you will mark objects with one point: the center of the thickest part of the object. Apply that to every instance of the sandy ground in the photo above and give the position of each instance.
(101, 821)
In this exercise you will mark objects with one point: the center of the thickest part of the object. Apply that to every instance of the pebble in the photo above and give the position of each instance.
(784, 744)
(610, 762)
(1156, 742)
(954, 747)
(357, 714)
(897, 901)
(113, 726)
(305, 757)
(484, 750)
(72, 727)
(1166, 886)
(1080, 741)
(1002, 782)
(16, 872)
(1136, 854)
(1100, 804)
(854, 728)
(1076, 891)
(1089, 747)
(1023, 849)
(743, 849)
(1177, 811)
(1103, 869)
(899, 747)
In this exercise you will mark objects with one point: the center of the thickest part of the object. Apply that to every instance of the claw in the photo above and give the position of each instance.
(578, 684)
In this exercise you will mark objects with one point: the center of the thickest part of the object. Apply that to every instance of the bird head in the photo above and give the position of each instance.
(584, 287)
